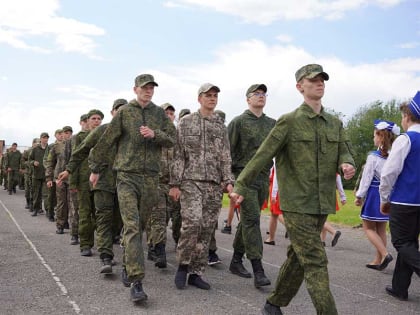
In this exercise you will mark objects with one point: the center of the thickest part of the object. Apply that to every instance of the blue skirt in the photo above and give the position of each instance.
(371, 206)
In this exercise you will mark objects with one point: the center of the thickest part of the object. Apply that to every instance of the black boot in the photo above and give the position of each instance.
(259, 277)
(236, 267)
(27, 204)
(137, 293)
(151, 253)
(35, 213)
(160, 252)
(10, 192)
(181, 276)
(106, 267)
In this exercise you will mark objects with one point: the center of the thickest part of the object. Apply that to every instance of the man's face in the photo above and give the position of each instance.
(94, 121)
(208, 100)
(67, 135)
(44, 140)
(13, 148)
(171, 114)
(312, 88)
(144, 93)
(257, 99)
(59, 136)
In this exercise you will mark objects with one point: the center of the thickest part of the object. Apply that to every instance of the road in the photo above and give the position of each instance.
(41, 273)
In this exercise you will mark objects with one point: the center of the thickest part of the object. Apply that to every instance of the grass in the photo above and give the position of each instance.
(347, 215)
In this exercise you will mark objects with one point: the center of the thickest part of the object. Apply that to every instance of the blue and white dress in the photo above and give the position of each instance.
(369, 188)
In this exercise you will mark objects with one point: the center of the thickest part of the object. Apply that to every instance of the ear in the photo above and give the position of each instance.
(299, 87)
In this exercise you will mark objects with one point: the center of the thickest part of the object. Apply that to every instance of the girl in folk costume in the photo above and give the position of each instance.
(374, 222)
(276, 213)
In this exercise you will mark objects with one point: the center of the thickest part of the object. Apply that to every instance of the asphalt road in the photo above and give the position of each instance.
(40, 273)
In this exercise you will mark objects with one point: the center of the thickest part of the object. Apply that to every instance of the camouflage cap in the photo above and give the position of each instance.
(143, 79)
(207, 87)
(118, 103)
(84, 117)
(35, 140)
(167, 106)
(183, 112)
(67, 128)
(255, 87)
(310, 71)
(221, 114)
(58, 131)
(44, 135)
(95, 112)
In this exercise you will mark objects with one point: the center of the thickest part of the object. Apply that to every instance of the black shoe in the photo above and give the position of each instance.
(51, 219)
(286, 235)
(35, 213)
(59, 231)
(10, 192)
(124, 278)
(198, 282)
(213, 258)
(388, 258)
(270, 242)
(151, 254)
(87, 252)
(41, 211)
(370, 266)
(237, 268)
(14, 190)
(136, 292)
(181, 276)
(270, 309)
(160, 252)
(66, 226)
(226, 229)
(391, 291)
(74, 240)
(335, 239)
(106, 267)
(27, 206)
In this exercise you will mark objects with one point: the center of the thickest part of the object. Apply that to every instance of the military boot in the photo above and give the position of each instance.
(106, 267)
(259, 276)
(160, 252)
(27, 206)
(236, 267)
(151, 253)
(35, 213)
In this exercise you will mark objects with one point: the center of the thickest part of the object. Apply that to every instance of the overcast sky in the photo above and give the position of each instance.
(59, 59)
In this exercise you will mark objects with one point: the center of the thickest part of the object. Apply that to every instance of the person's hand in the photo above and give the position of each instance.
(93, 178)
(36, 163)
(49, 183)
(343, 202)
(358, 201)
(63, 176)
(175, 193)
(146, 132)
(386, 208)
(9, 169)
(348, 170)
(229, 188)
(236, 198)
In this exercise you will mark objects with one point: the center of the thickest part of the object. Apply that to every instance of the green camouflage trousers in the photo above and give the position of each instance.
(174, 214)
(39, 188)
(104, 207)
(51, 201)
(63, 200)
(156, 227)
(137, 195)
(306, 260)
(28, 186)
(74, 213)
(200, 207)
(13, 180)
(86, 219)
(248, 234)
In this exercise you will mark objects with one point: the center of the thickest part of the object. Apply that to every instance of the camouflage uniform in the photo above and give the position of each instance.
(12, 161)
(4, 170)
(38, 177)
(79, 179)
(246, 133)
(51, 191)
(54, 165)
(28, 177)
(308, 149)
(201, 167)
(137, 166)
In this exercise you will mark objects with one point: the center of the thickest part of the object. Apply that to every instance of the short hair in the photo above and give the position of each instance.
(405, 109)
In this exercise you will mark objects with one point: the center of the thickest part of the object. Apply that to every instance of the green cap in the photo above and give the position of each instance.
(207, 87)
(255, 87)
(221, 114)
(118, 103)
(144, 79)
(310, 71)
(95, 112)
(35, 140)
(84, 117)
(167, 106)
(44, 135)
(67, 128)
(58, 131)
(183, 112)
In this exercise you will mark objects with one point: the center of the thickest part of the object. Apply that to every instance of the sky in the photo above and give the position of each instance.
(59, 59)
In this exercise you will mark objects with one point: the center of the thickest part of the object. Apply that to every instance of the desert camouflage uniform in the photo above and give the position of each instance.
(137, 165)
(201, 168)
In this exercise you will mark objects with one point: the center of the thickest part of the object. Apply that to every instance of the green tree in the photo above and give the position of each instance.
(360, 128)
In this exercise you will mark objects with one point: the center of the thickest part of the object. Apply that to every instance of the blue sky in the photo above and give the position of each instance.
(59, 59)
